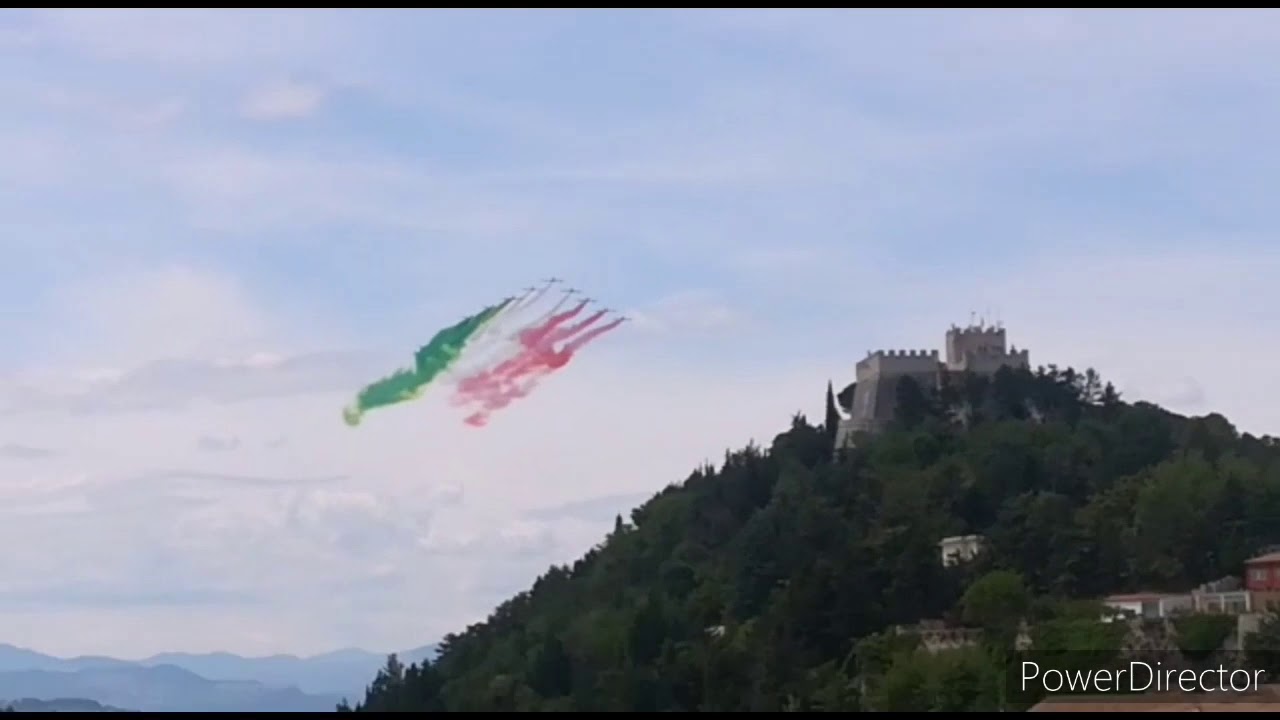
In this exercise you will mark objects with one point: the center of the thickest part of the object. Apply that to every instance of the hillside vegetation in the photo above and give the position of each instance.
(768, 583)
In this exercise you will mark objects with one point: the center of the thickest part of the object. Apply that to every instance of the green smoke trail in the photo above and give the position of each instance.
(428, 362)
(494, 338)
(487, 327)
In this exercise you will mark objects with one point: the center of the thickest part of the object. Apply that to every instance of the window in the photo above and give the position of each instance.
(1258, 574)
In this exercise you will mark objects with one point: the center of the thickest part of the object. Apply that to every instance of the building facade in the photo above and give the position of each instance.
(979, 349)
(1149, 606)
(1262, 579)
(1262, 573)
(959, 548)
(1227, 602)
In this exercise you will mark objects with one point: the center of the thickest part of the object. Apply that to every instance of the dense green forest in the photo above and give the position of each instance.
(773, 581)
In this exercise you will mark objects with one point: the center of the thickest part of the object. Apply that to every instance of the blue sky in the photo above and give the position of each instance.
(218, 225)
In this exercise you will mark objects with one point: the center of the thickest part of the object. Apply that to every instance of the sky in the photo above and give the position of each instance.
(216, 226)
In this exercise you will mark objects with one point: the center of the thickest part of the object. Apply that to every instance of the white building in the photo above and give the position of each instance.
(959, 548)
(1146, 605)
(1229, 602)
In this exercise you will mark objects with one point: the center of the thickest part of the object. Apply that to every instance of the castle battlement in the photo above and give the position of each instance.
(904, 353)
(976, 330)
(898, 362)
(977, 345)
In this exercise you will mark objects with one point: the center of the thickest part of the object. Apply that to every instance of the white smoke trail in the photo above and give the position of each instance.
(500, 340)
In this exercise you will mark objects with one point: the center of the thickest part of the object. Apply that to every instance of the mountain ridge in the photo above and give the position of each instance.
(219, 679)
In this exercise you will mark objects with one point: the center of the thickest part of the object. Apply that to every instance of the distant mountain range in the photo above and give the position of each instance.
(182, 682)
(60, 705)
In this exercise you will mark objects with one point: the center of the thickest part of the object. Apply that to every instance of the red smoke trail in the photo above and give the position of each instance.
(543, 361)
(575, 328)
(544, 355)
(500, 398)
(532, 339)
(538, 355)
(538, 334)
(538, 352)
(581, 342)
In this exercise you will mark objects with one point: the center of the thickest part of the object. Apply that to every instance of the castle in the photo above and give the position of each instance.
(978, 348)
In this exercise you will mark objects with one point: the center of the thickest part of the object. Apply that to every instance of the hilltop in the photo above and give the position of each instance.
(774, 581)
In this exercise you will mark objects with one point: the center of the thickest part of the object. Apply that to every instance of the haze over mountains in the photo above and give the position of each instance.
(185, 682)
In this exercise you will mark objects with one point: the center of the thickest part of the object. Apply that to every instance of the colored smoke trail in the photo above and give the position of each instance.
(481, 344)
(537, 336)
(537, 352)
(482, 373)
(581, 342)
(499, 342)
(536, 295)
(485, 328)
(429, 361)
(528, 341)
(541, 362)
(554, 308)
(562, 333)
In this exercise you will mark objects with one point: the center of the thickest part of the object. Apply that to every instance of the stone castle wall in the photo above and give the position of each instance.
(979, 350)
(988, 363)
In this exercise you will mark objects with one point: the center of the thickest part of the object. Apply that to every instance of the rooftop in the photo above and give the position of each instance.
(1140, 597)
(959, 539)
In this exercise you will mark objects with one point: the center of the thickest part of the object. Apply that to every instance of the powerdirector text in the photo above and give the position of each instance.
(1225, 678)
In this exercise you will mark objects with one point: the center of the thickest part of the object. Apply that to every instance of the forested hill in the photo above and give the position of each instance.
(767, 583)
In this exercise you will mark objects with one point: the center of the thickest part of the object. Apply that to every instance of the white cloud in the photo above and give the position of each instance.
(25, 452)
(175, 382)
(188, 37)
(169, 312)
(283, 101)
(98, 107)
(211, 443)
(696, 311)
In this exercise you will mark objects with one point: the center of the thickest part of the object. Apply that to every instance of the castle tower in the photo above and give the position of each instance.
(875, 396)
(981, 349)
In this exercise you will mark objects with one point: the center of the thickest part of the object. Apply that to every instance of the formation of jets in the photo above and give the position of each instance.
(548, 282)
